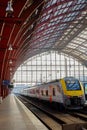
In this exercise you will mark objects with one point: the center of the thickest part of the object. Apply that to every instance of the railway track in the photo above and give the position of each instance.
(56, 120)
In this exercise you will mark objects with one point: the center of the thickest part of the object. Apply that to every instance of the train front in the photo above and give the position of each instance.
(73, 90)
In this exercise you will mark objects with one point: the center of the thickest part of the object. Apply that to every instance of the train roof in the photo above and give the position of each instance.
(53, 81)
(70, 77)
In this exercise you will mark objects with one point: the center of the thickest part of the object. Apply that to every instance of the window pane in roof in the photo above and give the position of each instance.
(75, 52)
(71, 44)
(85, 44)
(49, 11)
(65, 10)
(81, 1)
(55, 14)
(54, 1)
(82, 48)
(59, 7)
(83, 56)
(82, 40)
(72, 47)
(69, 3)
(60, 11)
(84, 32)
(64, 5)
(83, 36)
(75, 41)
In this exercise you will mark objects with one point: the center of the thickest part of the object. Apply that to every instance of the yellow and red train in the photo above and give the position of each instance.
(68, 92)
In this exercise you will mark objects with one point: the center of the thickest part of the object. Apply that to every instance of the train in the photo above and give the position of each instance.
(67, 92)
(85, 88)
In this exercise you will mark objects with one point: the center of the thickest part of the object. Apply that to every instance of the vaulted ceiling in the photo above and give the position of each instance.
(36, 26)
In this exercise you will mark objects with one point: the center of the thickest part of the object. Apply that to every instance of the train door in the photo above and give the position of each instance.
(50, 93)
(59, 93)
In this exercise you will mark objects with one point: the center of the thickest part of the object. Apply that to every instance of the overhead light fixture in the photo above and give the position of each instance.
(10, 62)
(9, 8)
(10, 69)
(10, 48)
(32, 26)
(36, 11)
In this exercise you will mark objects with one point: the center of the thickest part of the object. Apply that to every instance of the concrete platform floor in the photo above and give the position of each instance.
(15, 116)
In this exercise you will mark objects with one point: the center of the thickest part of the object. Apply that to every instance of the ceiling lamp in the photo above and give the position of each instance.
(10, 48)
(10, 69)
(32, 26)
(9, 8)
(10, 62)
(36, 11)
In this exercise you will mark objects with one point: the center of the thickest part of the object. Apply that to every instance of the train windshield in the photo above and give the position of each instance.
(73, 85)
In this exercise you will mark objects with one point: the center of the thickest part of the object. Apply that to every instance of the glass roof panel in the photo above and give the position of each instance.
(73, 45)
(54, 1)
(59, 21)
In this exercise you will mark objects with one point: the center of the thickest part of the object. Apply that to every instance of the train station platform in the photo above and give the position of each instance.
(15, 116)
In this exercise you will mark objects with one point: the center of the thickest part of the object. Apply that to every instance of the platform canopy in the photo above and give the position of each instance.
(30, 27)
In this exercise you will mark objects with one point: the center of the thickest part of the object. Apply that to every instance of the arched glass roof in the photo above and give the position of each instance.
(61, 27)
(49, 66)
(37, 26)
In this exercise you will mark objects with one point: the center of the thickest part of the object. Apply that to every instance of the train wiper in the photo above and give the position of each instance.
(72, 84)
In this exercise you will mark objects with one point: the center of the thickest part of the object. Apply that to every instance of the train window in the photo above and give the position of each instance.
(54, 92)
(37, 91)
(46, 92)
(33, 91)
(58, 88)
(42, 92)
(73, 85)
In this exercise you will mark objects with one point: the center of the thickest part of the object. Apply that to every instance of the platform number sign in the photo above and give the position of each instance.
(6, 82)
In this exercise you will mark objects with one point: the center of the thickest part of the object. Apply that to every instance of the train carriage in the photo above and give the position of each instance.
(67, 91)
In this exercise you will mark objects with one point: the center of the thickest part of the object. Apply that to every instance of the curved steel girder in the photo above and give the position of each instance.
(16, 30)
